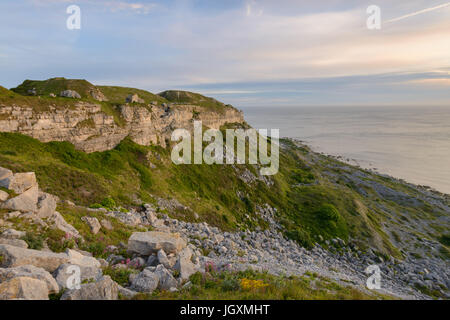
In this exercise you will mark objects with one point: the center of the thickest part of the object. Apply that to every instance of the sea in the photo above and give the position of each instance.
(411, 143)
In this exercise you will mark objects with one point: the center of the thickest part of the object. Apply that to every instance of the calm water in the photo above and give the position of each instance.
(405, 142)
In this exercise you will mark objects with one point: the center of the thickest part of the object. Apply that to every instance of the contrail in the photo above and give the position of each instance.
(419, 12)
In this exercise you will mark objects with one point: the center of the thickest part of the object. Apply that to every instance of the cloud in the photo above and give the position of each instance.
(418, 12)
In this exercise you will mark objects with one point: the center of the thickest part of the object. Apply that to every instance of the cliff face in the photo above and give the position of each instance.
(90, 129)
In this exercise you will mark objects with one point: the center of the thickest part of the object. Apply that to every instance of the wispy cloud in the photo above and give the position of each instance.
(137, 7)
(418, 13)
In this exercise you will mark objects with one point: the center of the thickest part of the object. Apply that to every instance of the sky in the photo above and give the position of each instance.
(249, 53)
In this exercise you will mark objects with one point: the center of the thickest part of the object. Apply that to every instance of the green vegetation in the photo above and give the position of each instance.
(55, 86)
(310, 213)
(121, 276)
(251, 285)
(119, 94)
(34, 241)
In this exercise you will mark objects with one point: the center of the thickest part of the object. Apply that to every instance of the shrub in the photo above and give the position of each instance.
(328, 212)
(121, 276)
(34, 241)
(108, 203)
(230, 284)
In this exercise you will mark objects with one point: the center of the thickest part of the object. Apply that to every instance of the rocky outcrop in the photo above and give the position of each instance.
(91, 129)
(29, 202)
(134, 98)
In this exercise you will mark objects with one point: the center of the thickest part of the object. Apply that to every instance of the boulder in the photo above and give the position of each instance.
(19, 182)
(166, 280)
(70, 94)
(46, 205)
(81, 260)
(14, 242)
(64, 273)
(58, 222)
(23, 288)
(147, 243)
(25, 202)
(93, 224)
(4, 195)
(16, 257)
(30, 272)
(103, 289)
(146, 281)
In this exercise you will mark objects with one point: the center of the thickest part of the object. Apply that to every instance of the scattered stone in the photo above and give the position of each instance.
(104, 289)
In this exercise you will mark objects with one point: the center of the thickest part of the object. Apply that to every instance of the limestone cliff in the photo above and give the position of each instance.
(90, 128)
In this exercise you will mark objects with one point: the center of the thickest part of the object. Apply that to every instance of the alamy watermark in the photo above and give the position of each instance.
(374, 19)
(74, 280)
(234, 151)
(374, 280)
(73, 22)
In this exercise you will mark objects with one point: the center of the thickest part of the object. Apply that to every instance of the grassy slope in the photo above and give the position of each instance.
(212, 191)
